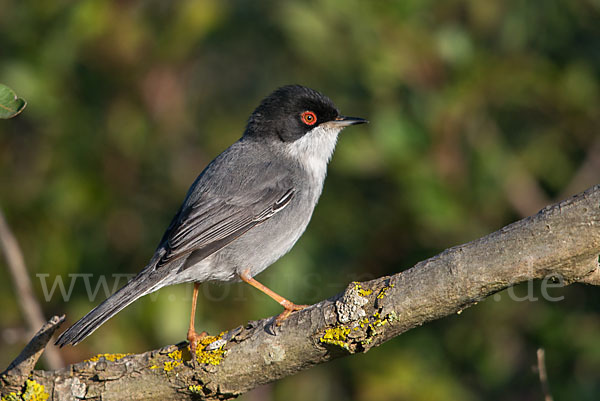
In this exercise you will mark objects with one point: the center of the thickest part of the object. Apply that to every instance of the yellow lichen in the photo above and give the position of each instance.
(170, 365)
(384, 291)
(108, 357)
(175, 354)
(212, 357)
(196, 389)
(339, 335)
(377, 323)
(176, 361)
(374, 322)
(361, 291)
(33, 392)
(336, 336)
(12, 397)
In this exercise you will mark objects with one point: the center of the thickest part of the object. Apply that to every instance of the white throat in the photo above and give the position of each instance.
(314, 150)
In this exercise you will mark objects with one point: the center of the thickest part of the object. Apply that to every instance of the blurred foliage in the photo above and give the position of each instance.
(481, 112)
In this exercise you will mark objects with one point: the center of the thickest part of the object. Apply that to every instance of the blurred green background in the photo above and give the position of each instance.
(482, 112)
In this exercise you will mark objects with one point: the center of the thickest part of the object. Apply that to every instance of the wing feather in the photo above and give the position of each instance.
(208, 226)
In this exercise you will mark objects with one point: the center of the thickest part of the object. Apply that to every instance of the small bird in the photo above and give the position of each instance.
(245, 210)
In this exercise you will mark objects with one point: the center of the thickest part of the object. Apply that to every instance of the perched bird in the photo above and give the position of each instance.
(245, 210)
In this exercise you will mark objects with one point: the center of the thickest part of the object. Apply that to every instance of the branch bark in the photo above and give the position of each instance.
(562, 241)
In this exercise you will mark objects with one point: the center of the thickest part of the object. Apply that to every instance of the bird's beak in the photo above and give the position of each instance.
(343, 121)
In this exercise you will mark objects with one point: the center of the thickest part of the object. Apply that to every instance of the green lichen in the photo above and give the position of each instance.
(33, 392)
(196, 389)
(336, 336)
(108, 357)
(176, 358)
(212, 357)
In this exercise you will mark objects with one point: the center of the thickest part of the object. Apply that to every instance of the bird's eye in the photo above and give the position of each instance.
(308, 118)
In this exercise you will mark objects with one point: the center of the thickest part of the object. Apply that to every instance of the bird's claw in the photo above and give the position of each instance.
(289, 308)
(194, 338)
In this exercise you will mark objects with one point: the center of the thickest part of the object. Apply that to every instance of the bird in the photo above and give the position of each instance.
(244, 211)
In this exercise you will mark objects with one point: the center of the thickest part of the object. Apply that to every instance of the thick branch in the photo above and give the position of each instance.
(562, 240)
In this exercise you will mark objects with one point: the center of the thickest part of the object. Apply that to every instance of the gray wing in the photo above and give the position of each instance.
(212, 222)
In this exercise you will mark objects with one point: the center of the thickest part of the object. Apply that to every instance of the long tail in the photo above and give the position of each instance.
(134, 289)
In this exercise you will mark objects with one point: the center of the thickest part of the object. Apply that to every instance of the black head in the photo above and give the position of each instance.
(292, 111)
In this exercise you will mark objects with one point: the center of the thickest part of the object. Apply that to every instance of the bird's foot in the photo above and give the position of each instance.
(289, 308)
(193, 339)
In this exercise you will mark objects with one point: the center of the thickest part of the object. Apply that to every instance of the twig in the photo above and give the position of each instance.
(541, 364)
(29, 305)
(26, 360)
(19, 369)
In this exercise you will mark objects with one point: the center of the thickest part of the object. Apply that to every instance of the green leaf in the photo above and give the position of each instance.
(10, 104)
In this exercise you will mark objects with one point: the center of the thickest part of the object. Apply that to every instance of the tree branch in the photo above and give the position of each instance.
(562, 240)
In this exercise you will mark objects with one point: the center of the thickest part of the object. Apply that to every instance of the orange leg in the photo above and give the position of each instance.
(192, 336)
(288, 305)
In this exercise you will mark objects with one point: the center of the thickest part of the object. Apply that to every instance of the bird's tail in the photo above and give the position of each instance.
(134, 289)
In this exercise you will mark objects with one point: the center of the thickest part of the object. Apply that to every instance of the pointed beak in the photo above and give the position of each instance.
(343, 121)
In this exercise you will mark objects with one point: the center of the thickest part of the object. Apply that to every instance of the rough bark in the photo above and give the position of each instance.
(562, 241)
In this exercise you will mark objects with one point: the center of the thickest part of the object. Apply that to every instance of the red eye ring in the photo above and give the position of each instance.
(309, 118)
